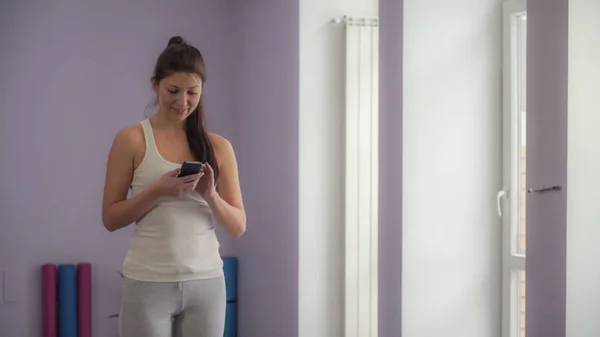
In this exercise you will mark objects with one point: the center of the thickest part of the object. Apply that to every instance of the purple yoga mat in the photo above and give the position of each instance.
(84, 300)
(49, 313)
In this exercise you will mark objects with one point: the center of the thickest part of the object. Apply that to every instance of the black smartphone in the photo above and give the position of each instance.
(189, 168)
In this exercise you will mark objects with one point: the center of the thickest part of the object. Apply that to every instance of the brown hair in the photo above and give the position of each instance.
(179, 56)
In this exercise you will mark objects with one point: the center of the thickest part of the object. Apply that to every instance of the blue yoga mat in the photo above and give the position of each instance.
(230, 321)
(230, 270)
(67, 300)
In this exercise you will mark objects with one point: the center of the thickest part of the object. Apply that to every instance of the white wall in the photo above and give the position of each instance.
(452, 168)
(321, 159)
(583, 167)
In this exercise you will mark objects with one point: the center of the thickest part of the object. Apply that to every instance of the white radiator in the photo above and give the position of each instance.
(361, 174)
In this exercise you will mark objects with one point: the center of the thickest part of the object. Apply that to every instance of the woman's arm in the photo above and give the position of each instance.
(227, 204)
(117, 210)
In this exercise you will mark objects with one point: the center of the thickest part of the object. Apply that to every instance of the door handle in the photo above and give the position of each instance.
(499, 196)
(545, 189)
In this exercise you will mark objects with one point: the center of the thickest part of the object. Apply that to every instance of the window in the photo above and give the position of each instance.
(514, 217)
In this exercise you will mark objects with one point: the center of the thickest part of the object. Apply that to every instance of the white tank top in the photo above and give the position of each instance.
(175, 240)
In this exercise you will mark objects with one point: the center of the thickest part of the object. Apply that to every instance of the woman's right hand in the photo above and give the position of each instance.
(170, 184)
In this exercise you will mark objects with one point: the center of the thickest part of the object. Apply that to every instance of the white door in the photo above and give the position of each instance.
(512, 197)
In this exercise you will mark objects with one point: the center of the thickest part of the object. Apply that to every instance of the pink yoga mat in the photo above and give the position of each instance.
(49, 314)
(84, 300)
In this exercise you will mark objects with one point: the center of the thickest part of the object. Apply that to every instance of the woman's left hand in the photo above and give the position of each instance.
(206, 184)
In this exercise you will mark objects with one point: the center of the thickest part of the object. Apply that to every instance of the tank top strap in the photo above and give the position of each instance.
(149, 138)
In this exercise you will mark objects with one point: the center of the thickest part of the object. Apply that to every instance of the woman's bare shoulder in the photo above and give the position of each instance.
(223, 149)
(130, 139)
(219, 142)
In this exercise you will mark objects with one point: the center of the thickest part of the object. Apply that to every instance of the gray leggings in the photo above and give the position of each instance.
(179, 309)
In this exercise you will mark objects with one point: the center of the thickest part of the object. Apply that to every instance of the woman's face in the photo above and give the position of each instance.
(178, 95)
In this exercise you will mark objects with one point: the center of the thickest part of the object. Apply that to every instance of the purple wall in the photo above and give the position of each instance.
(268, 154)
(268, 159)
(81, 72)
(390, 193)
(547, 85)
(72, 73)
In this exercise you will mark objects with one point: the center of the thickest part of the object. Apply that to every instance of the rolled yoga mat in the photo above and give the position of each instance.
(67, 300)
(84, 300)
(230, 267)
(230, 320)
(49, 316)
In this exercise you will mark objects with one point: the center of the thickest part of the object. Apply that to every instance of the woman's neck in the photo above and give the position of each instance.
(160, 121)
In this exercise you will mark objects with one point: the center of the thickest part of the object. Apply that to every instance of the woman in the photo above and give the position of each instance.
(174, 281)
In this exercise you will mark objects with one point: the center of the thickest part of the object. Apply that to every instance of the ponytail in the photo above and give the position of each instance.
(198, 139)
